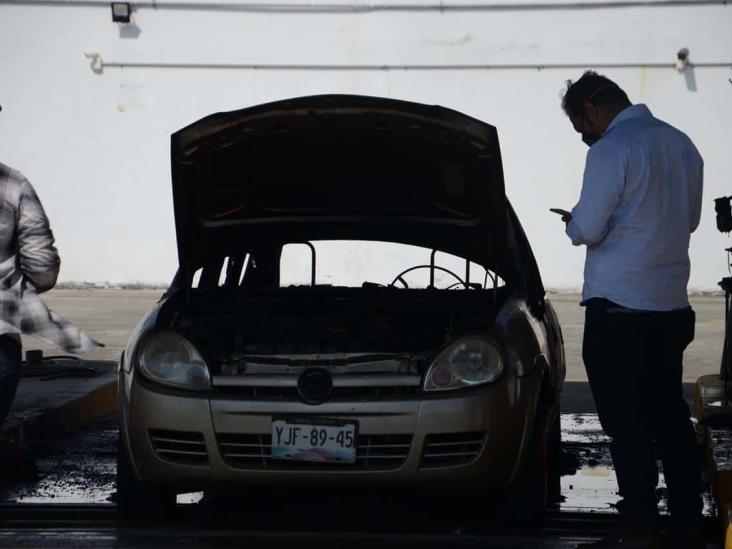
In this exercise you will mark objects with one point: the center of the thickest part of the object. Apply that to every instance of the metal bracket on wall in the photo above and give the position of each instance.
(97, 63)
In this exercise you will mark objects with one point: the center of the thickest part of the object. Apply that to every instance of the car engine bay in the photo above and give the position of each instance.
(296, 325)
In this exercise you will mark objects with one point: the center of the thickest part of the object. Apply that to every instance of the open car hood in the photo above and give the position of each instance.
(341, 167)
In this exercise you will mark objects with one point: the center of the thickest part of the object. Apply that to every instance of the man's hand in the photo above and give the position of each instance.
(566, 216)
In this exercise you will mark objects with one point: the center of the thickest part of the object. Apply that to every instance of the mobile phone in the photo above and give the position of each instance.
(559, 211)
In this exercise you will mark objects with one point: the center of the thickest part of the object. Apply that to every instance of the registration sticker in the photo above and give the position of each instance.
(323, 440)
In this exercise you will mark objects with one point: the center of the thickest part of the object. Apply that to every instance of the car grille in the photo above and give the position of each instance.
(450, 449)
(373, 380)
(338, 393)
(179, 446)
(373, 452)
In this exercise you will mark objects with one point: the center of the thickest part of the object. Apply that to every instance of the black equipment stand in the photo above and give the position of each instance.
(726, 285)
(722, 417)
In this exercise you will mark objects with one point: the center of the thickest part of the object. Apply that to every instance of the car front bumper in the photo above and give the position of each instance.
(484, 428)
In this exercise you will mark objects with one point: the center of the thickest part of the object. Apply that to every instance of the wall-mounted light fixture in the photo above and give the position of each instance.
(121, 12)
(682, 59)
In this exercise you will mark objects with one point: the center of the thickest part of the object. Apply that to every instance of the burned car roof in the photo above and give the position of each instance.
(343, 166)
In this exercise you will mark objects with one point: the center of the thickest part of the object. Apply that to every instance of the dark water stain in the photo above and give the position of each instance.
(592, 486)
(76, 469)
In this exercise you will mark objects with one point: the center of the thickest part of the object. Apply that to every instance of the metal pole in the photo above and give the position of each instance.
(726, 346)
(329, 8)
(432, 268)
(114, 64)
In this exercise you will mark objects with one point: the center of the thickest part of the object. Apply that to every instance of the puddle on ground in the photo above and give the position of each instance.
(76, 469)
(582, 429)
(81, 469)
(190, 498)
(592, 486)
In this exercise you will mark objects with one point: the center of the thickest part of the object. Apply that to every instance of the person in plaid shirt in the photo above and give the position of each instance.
(29, 266)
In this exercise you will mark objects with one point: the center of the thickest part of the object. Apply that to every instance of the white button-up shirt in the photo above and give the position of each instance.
(640, 201)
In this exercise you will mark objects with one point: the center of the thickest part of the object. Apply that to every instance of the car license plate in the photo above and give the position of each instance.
(314, 439)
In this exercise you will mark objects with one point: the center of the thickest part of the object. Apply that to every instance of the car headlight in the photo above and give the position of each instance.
(170, 359)
(465, 363)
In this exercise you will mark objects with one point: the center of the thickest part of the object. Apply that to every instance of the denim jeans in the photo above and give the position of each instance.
(634, 365)
(10, 362)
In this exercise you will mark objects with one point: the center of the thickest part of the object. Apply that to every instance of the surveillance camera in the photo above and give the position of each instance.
(682, 59)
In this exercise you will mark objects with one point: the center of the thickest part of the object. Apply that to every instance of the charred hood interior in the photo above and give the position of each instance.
(341, 167)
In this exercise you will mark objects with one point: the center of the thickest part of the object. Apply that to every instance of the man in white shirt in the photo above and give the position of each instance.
(640, 201)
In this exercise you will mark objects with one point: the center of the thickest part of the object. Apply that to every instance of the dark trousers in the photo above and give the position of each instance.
(10, 362)
(634, 365)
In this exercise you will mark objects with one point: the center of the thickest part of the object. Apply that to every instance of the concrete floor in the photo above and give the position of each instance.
(702, 356)
(195, 536)
(110, 316)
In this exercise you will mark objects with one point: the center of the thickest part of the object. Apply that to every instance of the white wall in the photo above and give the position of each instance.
(96, 146)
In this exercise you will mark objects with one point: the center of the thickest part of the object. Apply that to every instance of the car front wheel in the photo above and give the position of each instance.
(527, 497)
(137, 500)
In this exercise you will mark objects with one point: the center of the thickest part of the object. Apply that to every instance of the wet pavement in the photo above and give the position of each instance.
(81, 469)
(194, 535)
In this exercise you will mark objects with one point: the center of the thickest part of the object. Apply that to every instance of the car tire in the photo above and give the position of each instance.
(137, 500)
(554, 462)
(527, 496)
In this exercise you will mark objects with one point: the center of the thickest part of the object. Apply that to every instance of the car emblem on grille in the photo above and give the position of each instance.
(315, 385)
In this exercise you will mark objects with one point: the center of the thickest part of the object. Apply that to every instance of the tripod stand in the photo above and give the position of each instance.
(722, 417)
(725, 367)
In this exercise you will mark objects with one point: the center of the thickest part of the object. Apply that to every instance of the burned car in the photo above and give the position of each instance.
(281, 354)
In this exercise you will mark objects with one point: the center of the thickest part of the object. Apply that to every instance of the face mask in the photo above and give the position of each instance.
(589, 139)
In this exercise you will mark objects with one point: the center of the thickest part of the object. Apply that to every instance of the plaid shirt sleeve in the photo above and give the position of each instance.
(40, 321)
(38, 258)
(29, 264)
